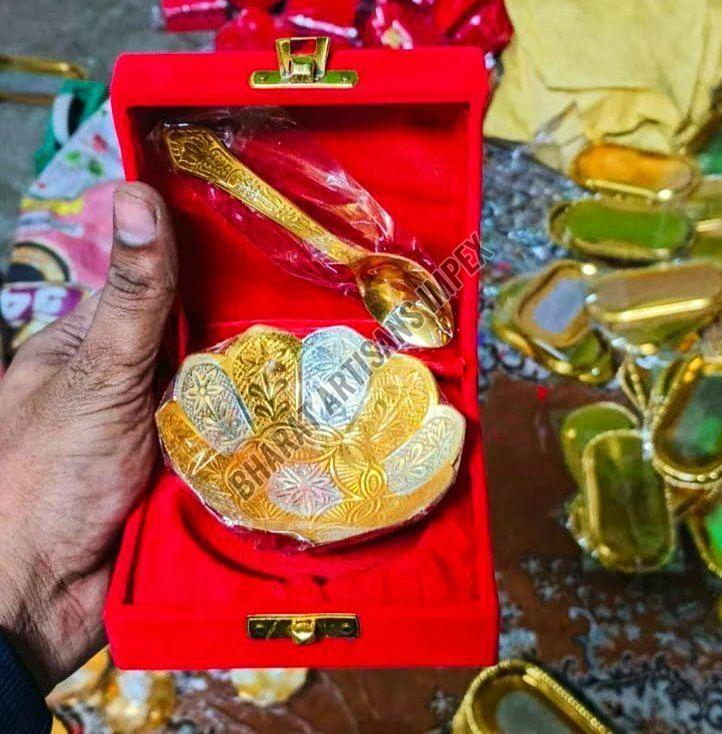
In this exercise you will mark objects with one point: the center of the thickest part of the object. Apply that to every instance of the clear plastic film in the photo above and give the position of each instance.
(324, 438)
(277, 186)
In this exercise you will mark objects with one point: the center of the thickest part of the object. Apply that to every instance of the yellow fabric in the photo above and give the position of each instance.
(635, 72)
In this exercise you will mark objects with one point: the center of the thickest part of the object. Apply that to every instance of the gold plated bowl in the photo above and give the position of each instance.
(320, 438)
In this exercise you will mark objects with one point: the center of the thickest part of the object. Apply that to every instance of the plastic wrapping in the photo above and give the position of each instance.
(401, 25)
(252, 28)
(270, 179)
(486, 25)
(336, 19)
(278, 150)
(324, 439)
(192, 15)
(371, 23)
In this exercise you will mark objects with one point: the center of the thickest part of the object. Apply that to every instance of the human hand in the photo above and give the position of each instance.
(78, 444)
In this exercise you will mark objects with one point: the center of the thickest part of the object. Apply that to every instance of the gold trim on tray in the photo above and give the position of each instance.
(482, 709)
(297, 68)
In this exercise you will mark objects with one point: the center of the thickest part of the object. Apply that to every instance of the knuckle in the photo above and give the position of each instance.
(129, 282)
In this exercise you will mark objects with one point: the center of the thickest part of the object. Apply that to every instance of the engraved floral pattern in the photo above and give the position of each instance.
(208, 398)
(303, 489)
(334, 375)
(426, 452)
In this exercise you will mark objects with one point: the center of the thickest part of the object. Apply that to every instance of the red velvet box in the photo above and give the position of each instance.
(184, 585)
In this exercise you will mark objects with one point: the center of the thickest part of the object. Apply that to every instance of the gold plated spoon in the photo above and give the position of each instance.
(399, 293)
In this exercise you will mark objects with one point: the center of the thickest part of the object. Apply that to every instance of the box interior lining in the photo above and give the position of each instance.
(414, 159)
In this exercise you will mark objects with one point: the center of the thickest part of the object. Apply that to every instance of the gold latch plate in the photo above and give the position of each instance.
(302, 629)
(303, 68)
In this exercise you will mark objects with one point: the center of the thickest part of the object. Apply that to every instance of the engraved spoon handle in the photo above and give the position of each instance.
(198, 151)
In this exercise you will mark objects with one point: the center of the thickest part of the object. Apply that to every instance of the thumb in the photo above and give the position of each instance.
(140, 287)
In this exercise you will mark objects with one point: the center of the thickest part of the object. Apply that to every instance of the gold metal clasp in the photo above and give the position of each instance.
(302, 629)
(302, 62)
(32, 80)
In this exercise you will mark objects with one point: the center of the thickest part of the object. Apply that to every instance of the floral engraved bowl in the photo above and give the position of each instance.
(321, 438)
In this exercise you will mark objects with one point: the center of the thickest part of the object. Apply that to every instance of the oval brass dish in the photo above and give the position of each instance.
(544, 317)
(318, 438)
(585, 423)
(657, 307)
(704, 204)
(620, 230)
(551, 308)
(686, 430)
(624, 512)
(516, 696)
(502, 317)
(617, 169)
(705, 527)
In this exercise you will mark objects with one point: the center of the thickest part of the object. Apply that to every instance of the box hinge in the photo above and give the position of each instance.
(303, 629)
(302, 63)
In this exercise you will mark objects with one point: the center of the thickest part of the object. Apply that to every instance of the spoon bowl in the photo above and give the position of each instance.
(405, 299)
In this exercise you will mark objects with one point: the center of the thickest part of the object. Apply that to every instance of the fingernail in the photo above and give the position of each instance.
(135, 220)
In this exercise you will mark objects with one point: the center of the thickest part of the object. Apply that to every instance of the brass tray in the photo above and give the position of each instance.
(617, 169)
(516, 697)
(657, 307)
(620, 230)
(686, 426)
(585, 423)
(699, 531)
(557, 334)
(622, 514)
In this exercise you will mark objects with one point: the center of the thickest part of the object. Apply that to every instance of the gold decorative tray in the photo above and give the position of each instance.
(516, 697)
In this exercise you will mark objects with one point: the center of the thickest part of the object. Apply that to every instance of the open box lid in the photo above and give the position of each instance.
(187, 592)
